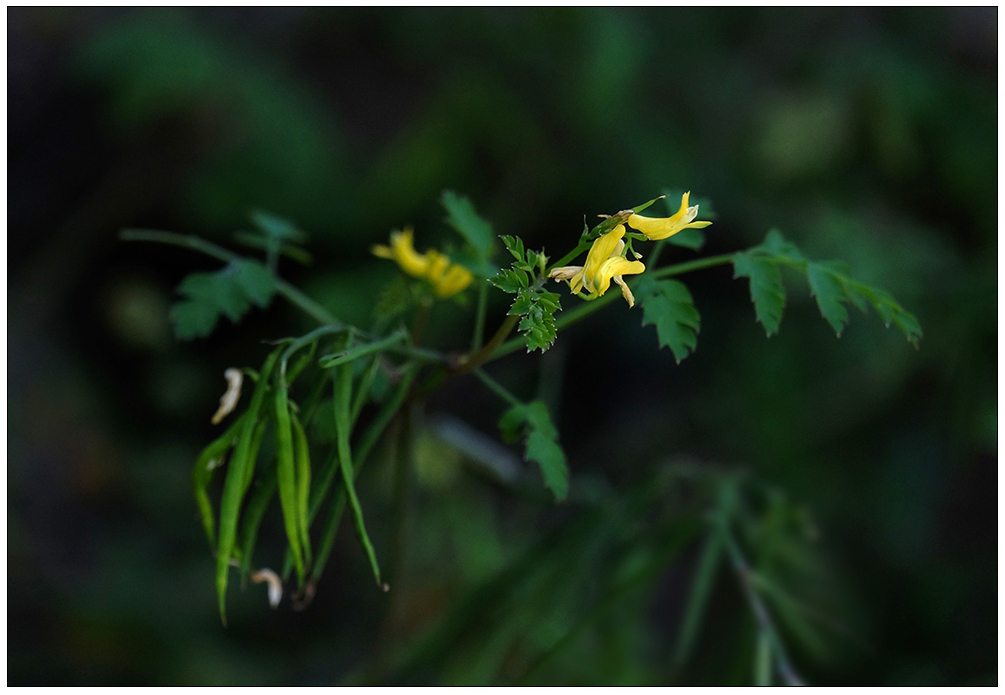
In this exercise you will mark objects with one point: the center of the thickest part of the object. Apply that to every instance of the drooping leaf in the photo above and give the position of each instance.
(830, 283)
(537, 309)
(827, 289)
(541, 443)
(302, 458)
(766, 289)
(209, 460)
(668, 305)
(549, 455)
(251, 519)
(469, 224)
(234, 486)
(286, 475)
(342, 403)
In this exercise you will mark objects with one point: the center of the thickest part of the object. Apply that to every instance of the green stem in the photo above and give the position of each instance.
(698, 264)
(567, 318)
(477, 359)
(498, 388)
(582, 246)
(291, 293)
(654, 257)
(757, 607)
(476, 339)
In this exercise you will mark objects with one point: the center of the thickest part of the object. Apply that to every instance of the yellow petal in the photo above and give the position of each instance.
(615, 266)
(656, 228)
(603, 248)
(453, 281)
(402, 252)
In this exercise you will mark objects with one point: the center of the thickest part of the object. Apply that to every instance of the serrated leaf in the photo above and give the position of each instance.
(829, 292)
(766, 289)
(229, 291)
(514, 245)
(257, 282)
(668, 305)
(193, 319)
(830, 284)
(510, 280)
(538, 327)
(541, 445)
(550, 457)
(774, 243)
(469, 224)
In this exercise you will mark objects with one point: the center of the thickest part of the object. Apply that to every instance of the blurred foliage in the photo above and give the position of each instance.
(855, 477)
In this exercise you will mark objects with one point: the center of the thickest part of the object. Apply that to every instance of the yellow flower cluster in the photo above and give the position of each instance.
(446, 278)
(606, 259)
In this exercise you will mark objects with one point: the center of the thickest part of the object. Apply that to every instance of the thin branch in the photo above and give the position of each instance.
(291, 293)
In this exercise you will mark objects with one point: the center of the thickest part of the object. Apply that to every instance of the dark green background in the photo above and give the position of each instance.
(868, 135)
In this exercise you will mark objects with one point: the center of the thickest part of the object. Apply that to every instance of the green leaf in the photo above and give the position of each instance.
(830, 284)
(537, 307)
(462, 217)
(829, 292)
(551, 458)
(209, 460)
(510, 280)
(234, 486)
(668, 305)
(514, 245)
(639, 208)
(286, 475)
(256, 281)
(302, 457)
(229, 291)
(342, 399)
(766, 289)
(354, 353)
(251, 520)
(512, 422)
(541, 444)
(775, 244)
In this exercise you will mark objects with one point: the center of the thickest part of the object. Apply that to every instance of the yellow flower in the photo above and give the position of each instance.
(604, 263)
(663, 227)
(447, 279)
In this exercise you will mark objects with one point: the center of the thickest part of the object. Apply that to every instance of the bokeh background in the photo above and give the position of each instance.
(868, 135)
